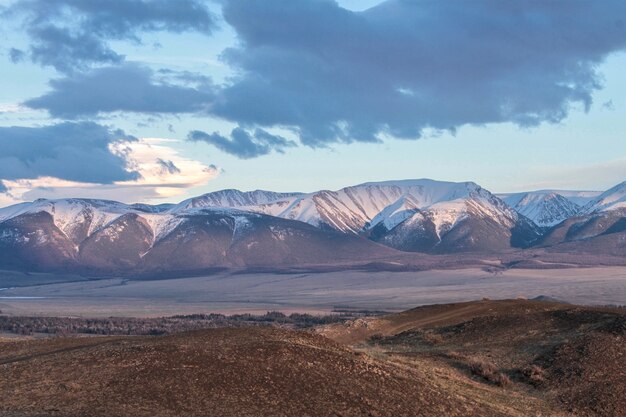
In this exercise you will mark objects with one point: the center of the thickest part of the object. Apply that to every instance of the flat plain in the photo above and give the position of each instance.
(321, 292)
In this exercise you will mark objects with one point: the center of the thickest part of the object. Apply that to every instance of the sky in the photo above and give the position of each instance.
(156, 101)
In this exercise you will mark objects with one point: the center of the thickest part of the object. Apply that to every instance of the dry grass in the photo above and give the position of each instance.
(451, 360)
(489, 371)
(255, 371)
(535, 375)
(572, 358)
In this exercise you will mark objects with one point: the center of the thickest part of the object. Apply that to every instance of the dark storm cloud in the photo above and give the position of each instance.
(406, 65)
(73, 34)
(128, 87)
(243, 144)
(69, 151)
(333, 75)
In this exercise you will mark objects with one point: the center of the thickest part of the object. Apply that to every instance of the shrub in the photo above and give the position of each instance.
(501, 379)
(535, 374)
(433, 338)
(489, 371)
(376, 338)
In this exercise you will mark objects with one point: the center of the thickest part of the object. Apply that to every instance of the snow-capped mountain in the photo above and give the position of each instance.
(411, 215)
(612, 199)
(544, 208)
(81, 218)
(233, 199)
(600, 226)
(234, 228)
(108, 237)
(580, 198)
(359, 208)
(469, 218)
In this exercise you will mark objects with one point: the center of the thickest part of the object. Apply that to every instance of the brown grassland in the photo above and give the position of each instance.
(484, 358)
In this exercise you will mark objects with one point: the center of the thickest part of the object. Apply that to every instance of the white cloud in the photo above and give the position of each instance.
(13, 108)
(577, 177)
(164, 175)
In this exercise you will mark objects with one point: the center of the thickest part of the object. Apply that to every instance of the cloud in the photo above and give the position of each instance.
(128, 87)
(332, 75)
(243, 144)
(404, 66)
(69, 151)
(575, 176)
(74, 34)
(147, 158)
(16, 55)
(12, 108)
(168, 167)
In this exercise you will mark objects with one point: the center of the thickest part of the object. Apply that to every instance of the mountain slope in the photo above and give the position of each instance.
(232, 199)
(600, 228)
(229, 238)
(32, 241)
(602, 233)
(612, 199)
(230, 228)
(476, 221)
(412, 215)
(109, 237)
(353, 209)
(544, 208)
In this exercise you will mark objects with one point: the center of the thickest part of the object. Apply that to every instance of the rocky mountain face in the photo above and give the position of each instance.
(102, 236)
(233, 199)
(544, 208)
(600, 226)
(231, 228)
(413, 215)
(612, 199)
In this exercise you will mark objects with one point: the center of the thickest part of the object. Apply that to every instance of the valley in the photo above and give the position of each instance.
(318, 292)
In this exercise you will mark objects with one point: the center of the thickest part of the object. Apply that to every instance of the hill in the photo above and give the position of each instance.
(487, 358)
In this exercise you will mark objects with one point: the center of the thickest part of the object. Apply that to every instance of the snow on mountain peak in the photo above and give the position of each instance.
(612, 199)
(360, 207)
(232, 198)
(544, 208)
(353, 209)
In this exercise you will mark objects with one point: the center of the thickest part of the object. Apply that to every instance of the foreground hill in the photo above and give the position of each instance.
(487, 358)
(222, 372)
(571, 357)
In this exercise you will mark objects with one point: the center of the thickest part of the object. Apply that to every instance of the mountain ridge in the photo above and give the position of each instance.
(231, 228)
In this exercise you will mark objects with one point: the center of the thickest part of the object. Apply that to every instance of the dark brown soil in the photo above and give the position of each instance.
(486, 358)
(221, 372)
(572, 357)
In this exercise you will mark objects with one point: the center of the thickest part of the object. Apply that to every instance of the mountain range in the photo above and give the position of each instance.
(366, 222)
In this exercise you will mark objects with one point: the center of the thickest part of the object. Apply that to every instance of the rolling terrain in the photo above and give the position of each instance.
(572, 358)
(487, 358)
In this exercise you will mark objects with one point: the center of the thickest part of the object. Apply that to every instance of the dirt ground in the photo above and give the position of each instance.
(483, 358)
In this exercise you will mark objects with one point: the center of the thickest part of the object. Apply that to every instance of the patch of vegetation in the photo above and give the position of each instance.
(535, 375)
(160, 325)
(488, 371)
